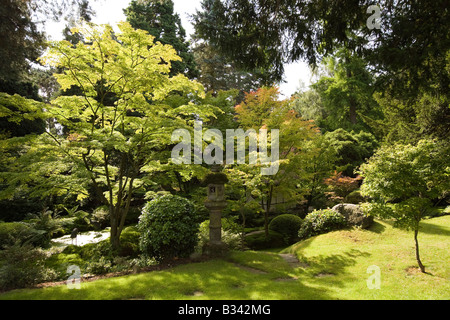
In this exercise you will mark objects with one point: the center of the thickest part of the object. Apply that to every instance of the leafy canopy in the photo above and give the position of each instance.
(116, 124)
(403, 180)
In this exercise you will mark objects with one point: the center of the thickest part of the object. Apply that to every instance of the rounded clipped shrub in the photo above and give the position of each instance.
(288, 225)
(168, 228)
(321, 221)
(129, 242)
(354, 197)
(259, 241)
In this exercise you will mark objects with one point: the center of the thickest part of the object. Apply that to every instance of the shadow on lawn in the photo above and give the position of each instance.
(429, 228)
(377, 227)
(333, 264)
(227, 281)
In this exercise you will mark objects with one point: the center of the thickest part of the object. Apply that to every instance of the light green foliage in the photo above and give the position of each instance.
(17, 108)
(117, 121)
(309, 105)
(321, 221)
(168, 228)
(403, 179)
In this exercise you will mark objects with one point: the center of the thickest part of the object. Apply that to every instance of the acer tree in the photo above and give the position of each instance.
(263, 109)
(116, 123)
(404, 181)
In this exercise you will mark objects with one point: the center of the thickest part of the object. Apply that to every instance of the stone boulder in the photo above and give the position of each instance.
(354, 215)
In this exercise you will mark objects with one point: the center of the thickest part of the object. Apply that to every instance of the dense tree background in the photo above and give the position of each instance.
(85, 139)
(159, 19)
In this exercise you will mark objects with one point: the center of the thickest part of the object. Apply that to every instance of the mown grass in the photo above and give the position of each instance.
(333, 266)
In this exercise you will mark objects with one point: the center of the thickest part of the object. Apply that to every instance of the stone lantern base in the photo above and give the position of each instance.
(215, 250)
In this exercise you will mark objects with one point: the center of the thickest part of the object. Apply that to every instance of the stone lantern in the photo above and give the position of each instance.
(215, 203)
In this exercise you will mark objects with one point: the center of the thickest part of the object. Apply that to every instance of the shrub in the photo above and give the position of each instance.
(47, 224)
(21, 232)
(230, 234)
(321, 221)
(129, 242)
(288, 225)
(101, 266)
(354, 197)
(22, 266)
(100, 217)
(259, 241)
(59, 263)
(168, 228)
(91, 251)
(341, 186)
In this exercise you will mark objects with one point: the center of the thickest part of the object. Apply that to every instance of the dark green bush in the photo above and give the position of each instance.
(354, 197)
(259, 241)
(22, 266)
(321, 221)
(21, 232)
(168, 227)
(288, 225)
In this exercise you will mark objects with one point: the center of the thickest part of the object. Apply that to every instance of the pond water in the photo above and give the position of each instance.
(82, 238)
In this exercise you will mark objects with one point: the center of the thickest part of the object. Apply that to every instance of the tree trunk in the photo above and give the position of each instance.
(243, 225)
(352, 111)
(266, 213)
(421, 266)
(352, 102)
(114, 235)
(266, 221)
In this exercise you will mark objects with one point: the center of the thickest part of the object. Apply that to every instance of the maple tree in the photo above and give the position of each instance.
(263, 109)
(116, 125)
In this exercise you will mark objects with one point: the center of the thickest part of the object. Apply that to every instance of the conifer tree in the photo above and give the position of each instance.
(159, 19)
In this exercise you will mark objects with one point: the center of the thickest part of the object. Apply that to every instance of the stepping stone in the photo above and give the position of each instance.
(293, 261)
(197, 294)
(285, 279)
(324, 274)
(250, 269)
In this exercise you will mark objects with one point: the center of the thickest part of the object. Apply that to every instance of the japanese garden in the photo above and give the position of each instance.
(141, 162)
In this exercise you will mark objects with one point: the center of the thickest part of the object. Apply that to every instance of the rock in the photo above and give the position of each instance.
(354, 215)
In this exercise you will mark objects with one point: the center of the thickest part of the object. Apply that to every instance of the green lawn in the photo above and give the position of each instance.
(332, 266)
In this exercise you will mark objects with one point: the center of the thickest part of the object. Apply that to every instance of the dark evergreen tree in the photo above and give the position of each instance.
(158, 18)
(217, 72)
(409, 49)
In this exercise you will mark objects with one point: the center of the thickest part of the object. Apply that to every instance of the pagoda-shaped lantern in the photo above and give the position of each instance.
(215, 203)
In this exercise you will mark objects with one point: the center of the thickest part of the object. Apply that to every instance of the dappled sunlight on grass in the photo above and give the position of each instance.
(331, 266)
